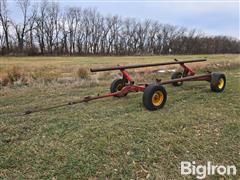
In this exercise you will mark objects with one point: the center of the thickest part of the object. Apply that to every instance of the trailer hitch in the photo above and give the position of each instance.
(84, 100)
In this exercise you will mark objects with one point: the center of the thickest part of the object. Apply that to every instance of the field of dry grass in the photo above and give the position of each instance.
(116, 137)
(38, 70)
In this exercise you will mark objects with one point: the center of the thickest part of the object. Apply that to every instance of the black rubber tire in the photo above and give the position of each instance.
(148, 95)
(115, 86)
(216, 78)
(177, 75)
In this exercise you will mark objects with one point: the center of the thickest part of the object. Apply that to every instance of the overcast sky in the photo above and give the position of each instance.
(214, 17)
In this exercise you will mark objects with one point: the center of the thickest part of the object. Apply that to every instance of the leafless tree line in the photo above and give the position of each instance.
(44, 29)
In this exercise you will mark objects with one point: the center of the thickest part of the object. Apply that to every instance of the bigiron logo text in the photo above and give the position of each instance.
(202, 171)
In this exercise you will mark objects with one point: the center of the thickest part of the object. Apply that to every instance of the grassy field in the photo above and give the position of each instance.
(116, 137)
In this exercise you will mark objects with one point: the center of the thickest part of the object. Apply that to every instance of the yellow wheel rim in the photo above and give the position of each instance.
(221, 83)
(119, 87)
(157, 98)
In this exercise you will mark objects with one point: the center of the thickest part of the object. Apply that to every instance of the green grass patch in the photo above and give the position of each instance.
(117, 138)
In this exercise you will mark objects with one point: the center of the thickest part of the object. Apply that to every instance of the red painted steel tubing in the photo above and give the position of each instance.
(144, 65)
(206, 77)
(126, 75)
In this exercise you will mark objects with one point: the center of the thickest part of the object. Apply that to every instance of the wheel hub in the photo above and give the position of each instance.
(221, 83)
(119, 87)
(157, 98)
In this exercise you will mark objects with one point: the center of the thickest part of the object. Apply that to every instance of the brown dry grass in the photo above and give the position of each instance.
(82, 73)
(13, 75)
(32, 71)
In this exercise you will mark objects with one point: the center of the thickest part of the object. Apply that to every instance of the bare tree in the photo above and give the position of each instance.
(22, 28)
(51, 26)
(72, 21)
(40, 26)
(5, 22)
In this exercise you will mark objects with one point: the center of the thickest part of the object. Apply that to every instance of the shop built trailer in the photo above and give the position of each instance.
(154, 94)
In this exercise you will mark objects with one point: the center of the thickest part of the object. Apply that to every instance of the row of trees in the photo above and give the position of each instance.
(45, 29)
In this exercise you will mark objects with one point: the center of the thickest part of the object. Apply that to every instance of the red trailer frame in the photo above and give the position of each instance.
(155, 95)
(189, 75)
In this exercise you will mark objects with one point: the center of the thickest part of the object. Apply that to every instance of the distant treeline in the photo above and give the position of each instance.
(46, 29)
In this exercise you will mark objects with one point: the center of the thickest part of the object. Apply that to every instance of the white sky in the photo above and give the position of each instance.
(214, 17)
